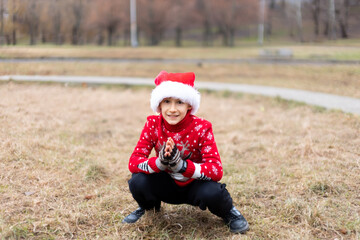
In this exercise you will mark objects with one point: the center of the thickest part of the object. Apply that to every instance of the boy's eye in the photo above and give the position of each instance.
(180, 102)
(166, 101)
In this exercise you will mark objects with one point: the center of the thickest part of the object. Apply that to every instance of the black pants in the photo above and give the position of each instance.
(150, 189)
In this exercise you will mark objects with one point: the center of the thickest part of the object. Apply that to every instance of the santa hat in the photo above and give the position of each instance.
(176, 85)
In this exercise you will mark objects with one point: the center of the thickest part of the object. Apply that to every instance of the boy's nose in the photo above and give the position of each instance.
(172, 107)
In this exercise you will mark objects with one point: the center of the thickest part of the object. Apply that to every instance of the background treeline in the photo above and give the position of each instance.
(175, 22)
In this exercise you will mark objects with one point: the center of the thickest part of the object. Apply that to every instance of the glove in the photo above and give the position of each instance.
(176, 164)
(162, 162)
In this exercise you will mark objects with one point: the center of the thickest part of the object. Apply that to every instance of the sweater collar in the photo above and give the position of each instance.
(179, 126)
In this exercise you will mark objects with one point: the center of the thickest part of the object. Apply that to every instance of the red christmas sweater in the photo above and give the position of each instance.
(193, 137)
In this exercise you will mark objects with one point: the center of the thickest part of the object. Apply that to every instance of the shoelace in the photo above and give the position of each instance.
(139, 212)
(234, 215)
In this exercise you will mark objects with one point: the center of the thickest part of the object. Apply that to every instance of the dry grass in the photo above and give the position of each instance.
(335, 79)
(127, 52)
(342, 51)
(293, 170)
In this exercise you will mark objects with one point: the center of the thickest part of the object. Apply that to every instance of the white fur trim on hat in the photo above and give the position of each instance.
(178, 90)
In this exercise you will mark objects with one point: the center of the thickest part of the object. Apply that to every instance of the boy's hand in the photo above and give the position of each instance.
(165, 154)
(169, 157)
(163, 160)
(169, 147)
(176, 163)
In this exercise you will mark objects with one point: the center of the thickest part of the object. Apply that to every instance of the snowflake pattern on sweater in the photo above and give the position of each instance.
(193, 137)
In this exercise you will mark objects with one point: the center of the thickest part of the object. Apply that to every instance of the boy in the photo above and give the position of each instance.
(187, 166)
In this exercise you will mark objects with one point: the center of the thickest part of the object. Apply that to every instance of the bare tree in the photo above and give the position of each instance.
(316, 16)
(225, 17)
(107, 15)
(270, 13)
(294, 19)
(205, 15)
(342, 16)
(76, 19)
(182, 17)
(56, 15)
(51, 21)
(87, 21)
(30, 18)
(230, 14)
(2, 12)
(14, 9)
(339, 12)
(153, 19)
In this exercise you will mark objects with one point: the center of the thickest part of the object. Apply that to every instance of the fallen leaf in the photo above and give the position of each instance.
(343, 231)
(88, 197)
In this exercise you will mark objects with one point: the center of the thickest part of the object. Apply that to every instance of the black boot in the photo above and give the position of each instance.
(134, 216)
(236, 221)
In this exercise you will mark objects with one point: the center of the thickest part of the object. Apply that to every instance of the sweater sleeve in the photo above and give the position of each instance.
(210, 167)
(139, 160)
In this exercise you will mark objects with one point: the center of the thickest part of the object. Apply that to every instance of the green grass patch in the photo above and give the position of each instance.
(95, 173)
(323, 189)
(288, 103)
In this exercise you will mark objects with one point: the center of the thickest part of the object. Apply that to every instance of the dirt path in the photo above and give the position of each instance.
(329, 101)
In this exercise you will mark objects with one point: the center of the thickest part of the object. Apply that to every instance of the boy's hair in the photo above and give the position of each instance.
(175, 85)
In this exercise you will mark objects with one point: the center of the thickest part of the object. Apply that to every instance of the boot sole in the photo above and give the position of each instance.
(241, 231)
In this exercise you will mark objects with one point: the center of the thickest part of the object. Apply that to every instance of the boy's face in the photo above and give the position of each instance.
(173, 110)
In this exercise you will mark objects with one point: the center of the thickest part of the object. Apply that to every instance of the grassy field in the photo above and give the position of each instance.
(330, 51)
(292, 170)
(335, 79)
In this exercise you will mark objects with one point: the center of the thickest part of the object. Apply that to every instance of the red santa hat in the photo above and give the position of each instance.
(176, 85)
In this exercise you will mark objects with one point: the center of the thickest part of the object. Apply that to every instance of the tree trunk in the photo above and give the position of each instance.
(33, 22)
(8, 39)
(14, 42)
(343, 20)
(316, 16)
(343, 29)
(269, 20)
(74, 37)
(224, 35)
(13, 19)
(100, 39)
(326, 28)
(32, 33)
(232, 37)
(43, 37)
(57, 28)
(155, 35)
(127, 37)
(154, 40)
(178, 33)
(207, 34)
(110, 31)
(2, 22)
(76, 29)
